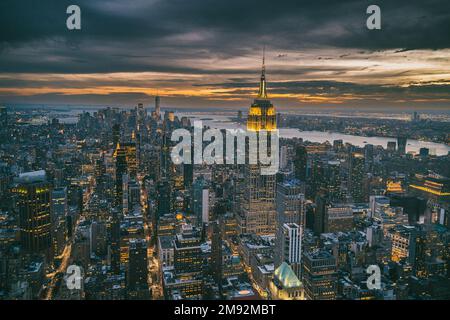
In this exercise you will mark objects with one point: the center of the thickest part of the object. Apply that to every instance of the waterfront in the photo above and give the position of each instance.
(224, 122)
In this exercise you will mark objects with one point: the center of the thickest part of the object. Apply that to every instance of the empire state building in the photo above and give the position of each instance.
(257, 214)
(261, 115)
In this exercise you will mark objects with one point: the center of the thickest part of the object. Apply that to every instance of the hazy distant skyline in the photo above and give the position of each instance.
(204, 53)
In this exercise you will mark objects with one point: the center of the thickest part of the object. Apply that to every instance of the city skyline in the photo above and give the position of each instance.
(318, 55)
(141, 158)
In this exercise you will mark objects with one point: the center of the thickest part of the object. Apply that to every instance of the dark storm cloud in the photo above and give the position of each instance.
(213, 41)
(143, 35)
(435, 90)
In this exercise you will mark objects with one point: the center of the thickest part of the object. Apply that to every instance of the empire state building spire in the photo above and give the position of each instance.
(262, 84)
(261, 115)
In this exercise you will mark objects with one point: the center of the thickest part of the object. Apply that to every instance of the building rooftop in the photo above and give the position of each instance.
(33, 176)
(286, 276)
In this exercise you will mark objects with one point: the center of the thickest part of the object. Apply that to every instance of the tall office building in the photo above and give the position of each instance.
(33, 194)
(131, 158)
(291, 246)
(283, 157)
(121, 169)
(216, 254)
(258, 206)
(332, 180)
(403, 239)
(401, 143)
(116, 134)
(188, 175)
(261, 115)
(114, 241)
(137, 272)
(59, 202)
(320, 215)
(98, 237)
(290, 204)
(319, 275)
(163, 198)
(356, 177)
(188, 257)
(200, 200)
(100, 176)
(300, 162)
(59, 210)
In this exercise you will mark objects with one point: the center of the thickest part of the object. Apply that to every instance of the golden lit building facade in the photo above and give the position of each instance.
(33, 194)
(261, 115)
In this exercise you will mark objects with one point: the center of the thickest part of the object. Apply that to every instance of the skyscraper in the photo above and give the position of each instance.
(200, 200)
(261, 115)
(290, 204)
(320, 215)
(300, 162)
(59, 210)
(114, 241)
(291, 246)
(401, 143)
(137, 272)
(356, 177)
(258, 205)
(33, 204)
(187, 251)
(319, 275)
(163, 198)
(131, 158)
(116, 134)
(121, 169)
(216, 254)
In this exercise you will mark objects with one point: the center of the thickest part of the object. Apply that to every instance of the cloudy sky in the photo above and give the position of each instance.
(207, 53)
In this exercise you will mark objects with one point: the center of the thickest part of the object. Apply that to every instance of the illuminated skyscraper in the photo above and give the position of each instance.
(261, 115)
(131, 157)
(33, 204)
(121, 169)
(258, 205)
